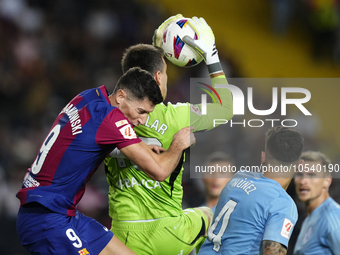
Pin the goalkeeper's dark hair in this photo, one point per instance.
(284, 144)
(139, 84)
(145, 56)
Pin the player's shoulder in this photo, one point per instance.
(116, 114)
(95, 96)
(331, 213)
(276, 191)
(277, 199)
(179, 111)
(170, 112)
(163, 108)
(176, 105)
(331, 204)
(279, 194)
(96, 101)
(111, 118)
(284, 204)
(87, 92)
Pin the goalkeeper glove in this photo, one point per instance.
(205, 44)
(158, 34)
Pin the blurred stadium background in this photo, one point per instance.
(51, 50)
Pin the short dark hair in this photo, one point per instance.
(145, 56)
(284, 144)
(139, 84)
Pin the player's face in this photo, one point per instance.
(215, 182)
(310, 185)
(136, 111)
(164, 81)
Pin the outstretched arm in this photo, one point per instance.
(205, 45)
(223, 112)
(273, 248)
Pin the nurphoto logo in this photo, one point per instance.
(240, 101)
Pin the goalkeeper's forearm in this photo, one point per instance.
(214, 111)
(225, 95)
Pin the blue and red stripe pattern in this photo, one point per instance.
(83, 134)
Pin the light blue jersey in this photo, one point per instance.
(251, 208)
(320, 232)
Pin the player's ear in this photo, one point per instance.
(327, 182)
(120, 96)
(158, 77)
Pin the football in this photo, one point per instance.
(175, 49)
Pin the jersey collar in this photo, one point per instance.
(103, 93)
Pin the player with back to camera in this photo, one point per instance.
(89, 127)
(320, 231)
(254, 214)
(147, 215)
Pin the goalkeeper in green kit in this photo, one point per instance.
(146, 211)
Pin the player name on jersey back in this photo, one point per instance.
(75, 121)
(246, 186)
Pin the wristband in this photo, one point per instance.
(215, 68)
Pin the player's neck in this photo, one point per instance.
(284, 182)
(112, 100)
(282, 178)
(314, 203)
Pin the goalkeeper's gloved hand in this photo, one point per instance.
(205, 44)
(158, 34)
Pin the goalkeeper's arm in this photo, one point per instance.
(222, 112)
(205, 45)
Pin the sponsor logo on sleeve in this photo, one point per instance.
(286, 228)
(121, 123)
(83, 252)
(196, 110)
(128, 132)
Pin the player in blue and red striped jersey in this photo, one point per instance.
(84, 132)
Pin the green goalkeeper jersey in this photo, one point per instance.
(133, 195)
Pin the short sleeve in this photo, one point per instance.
(281, 221)
(116, 129)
